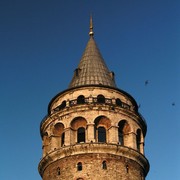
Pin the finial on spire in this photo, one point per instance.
(91, 33)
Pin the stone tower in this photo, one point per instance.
(93, 130)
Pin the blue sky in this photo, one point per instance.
(41, 43)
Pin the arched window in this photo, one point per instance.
(81, 135)
(58, 129)
(100, 99)
(138, 139)
(58, 171)
(78, 125)
(79, 166)
(123, 130)
(80, 99)
(118, 102)
(63, 105)
(101, 134)
(104, 165)
(62, 139)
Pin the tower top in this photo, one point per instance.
(92, 69)
(91, 33)
(90, 119)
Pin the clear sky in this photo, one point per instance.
(41, 43)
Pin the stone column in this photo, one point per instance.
(130, 140)
(54, 142)
(90, 133)
(67, 134)
(113, 134)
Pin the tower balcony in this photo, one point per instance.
(93, 103)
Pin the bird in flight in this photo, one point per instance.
(173, 104)
(146, 82)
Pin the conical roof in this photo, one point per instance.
(92, 69)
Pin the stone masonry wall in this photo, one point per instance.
(117, 168)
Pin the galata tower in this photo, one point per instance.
(93, 130)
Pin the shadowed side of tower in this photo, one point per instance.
(93, 130)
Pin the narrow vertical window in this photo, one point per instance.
(81, 135)
(62, 139)
(127, 168)
(120, 136)
(118, 102)
(58, 171)
(104, 165)
(101, 134)
(79, 166)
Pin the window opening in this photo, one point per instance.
(127, 168)
(81, 135)
(58, 171)
(122, 130)
(80, 99)
(100, 99)
(118, 102)
(62, 139)
(101, 134)
(79, 166)
(63, 105)
(120, 136)
(104, 165)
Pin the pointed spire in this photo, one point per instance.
(91, 33)
(92, 69)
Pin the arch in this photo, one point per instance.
(118, 102)
(79, 166)
(80, 99)
(81, 135)
(78, 122)
(100, 99)
(123, 129)
(58, 129)
(102, 123)
(138, 139)
(77, 133)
